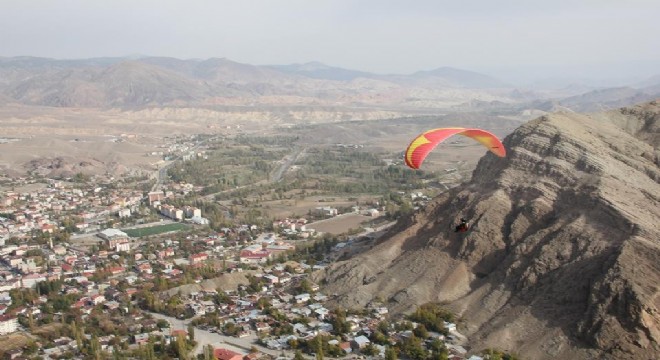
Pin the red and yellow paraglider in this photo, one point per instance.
(420, 147)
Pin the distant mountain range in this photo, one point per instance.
(109, 82)
(162, 81)
(316, 70)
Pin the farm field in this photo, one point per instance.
(340, 224)
(296, 207)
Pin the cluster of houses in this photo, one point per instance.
(257, 325)
(134, 264)
(42, 210)
(296, 227)
(77, 269)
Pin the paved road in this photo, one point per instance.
(287, 162)
(161, 175)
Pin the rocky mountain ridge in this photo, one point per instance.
(563, 256)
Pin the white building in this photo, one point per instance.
(302, 298)
(199, 220)
(123, 246)
(371, 212)
(31, 280)
(326, 211)
(171, 212)
(190, 211)
(8, 324)
(109, 234)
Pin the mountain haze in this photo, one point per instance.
(142, 82)
(605, 99)
(462, 78)
(317, 70)
(162, 81)
(563, 256)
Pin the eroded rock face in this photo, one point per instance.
(563, 257)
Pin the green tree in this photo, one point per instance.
(384, 327)
(180, 347)
(339, 323)
(31, 348)
(412, 348)
(231, 329)
(162, 324)
(433, 317)
(369, 350)
(191, 332)
(208, 352)
(298, 355)
(438, 350)
(95, 348)
(379, 338)
(263, 303)
(318, 342)
(496, 354)
(390, 353)
(421, 332)
(305, 287)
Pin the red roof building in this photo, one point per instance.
(226, 354)
(198, 258)
(176, 333)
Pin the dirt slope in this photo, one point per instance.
(563, 257)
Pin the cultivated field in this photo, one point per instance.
(300, 207)
(340, 224)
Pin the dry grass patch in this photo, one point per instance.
(51, 331)
(13, 341)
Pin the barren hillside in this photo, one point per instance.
(563, 256)
(157, 81)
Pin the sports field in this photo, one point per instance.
(154, 230)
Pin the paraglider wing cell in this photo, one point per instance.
(420, 147)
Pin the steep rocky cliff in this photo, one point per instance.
(563, 257)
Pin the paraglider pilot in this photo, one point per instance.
(463, 226)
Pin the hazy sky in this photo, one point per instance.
(382, 36)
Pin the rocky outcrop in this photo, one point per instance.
(563, 256)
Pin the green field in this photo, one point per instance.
(153, 230)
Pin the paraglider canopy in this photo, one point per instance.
(420, 147)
